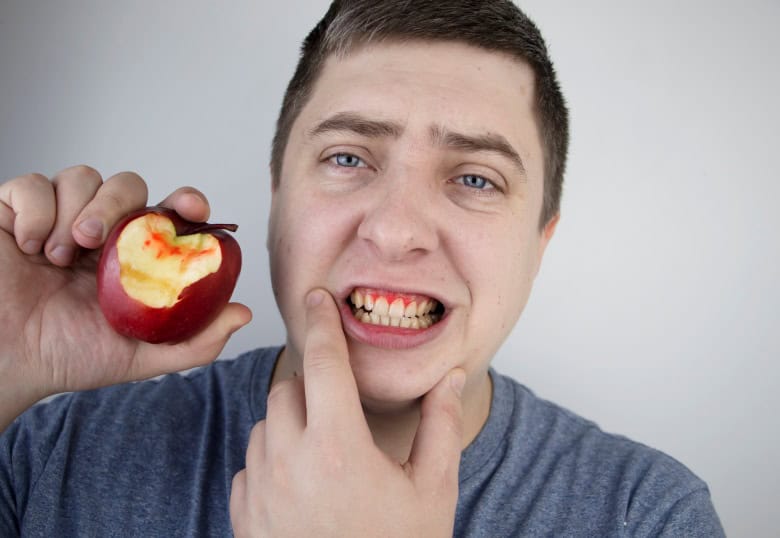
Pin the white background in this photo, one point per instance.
(656, 310)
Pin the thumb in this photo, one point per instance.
(156, 359)
(435, 455)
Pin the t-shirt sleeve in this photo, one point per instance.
(692, 516)
(9, 525)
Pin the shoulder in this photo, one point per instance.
(168, 404)
(585, 475)
(180, 437)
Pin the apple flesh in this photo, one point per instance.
(162, 278)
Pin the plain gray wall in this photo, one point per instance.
(655, 313)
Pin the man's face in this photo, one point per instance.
(412, 175)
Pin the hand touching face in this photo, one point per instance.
(313, 468)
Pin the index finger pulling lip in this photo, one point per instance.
(331, 391)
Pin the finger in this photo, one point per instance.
(435, 454)
(118, 196)
(285, 415)
(255, 451)
(74, 187)
(188, 202)
(238, 504)
(28, 210)
(203, 348)
(332, 398)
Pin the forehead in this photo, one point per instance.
(428, 85)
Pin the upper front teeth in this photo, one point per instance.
(376, 309)
(396, 309)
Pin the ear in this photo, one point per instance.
(544, 238)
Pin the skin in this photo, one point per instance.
(53, 337)
(403, 219)
(363, 439)
(368, 442)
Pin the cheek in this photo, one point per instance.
(501, 278)
(307, 235)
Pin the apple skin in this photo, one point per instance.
(198, 303)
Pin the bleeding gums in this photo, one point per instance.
(390, 309)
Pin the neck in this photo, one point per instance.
(394, 432)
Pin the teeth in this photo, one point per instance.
(397, 308)
(375, 310)
(381, 306)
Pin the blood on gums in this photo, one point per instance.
(390, 297)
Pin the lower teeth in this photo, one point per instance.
(416, 322)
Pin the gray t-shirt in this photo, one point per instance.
(157, 459)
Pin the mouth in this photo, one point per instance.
(393, 309)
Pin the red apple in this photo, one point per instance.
(161, 278)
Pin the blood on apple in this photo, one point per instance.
(162, 278)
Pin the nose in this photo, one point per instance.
(401, 223)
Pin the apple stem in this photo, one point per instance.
(207, 227)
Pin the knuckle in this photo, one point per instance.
(33, 180)
(257, 434)
(134, 179)
(81, 173)
(334, 460)
(321, 361)
(452, 413)
(280, 391)
(113, 200)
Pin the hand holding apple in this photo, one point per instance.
(162, 278)
(54, 337)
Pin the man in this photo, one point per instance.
(416, 176)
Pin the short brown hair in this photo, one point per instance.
(493, 25)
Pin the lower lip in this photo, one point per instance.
(388, 337)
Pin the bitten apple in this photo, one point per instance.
(161, 278)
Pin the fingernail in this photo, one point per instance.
(314, 298)
(457, 380)
(33, 246)
(62, 254)
(92, 227)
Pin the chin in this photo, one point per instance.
(393, 380)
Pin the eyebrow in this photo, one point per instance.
(490, 142)
(358, 124)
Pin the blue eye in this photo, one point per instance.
(347, 160)
(475, 182)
